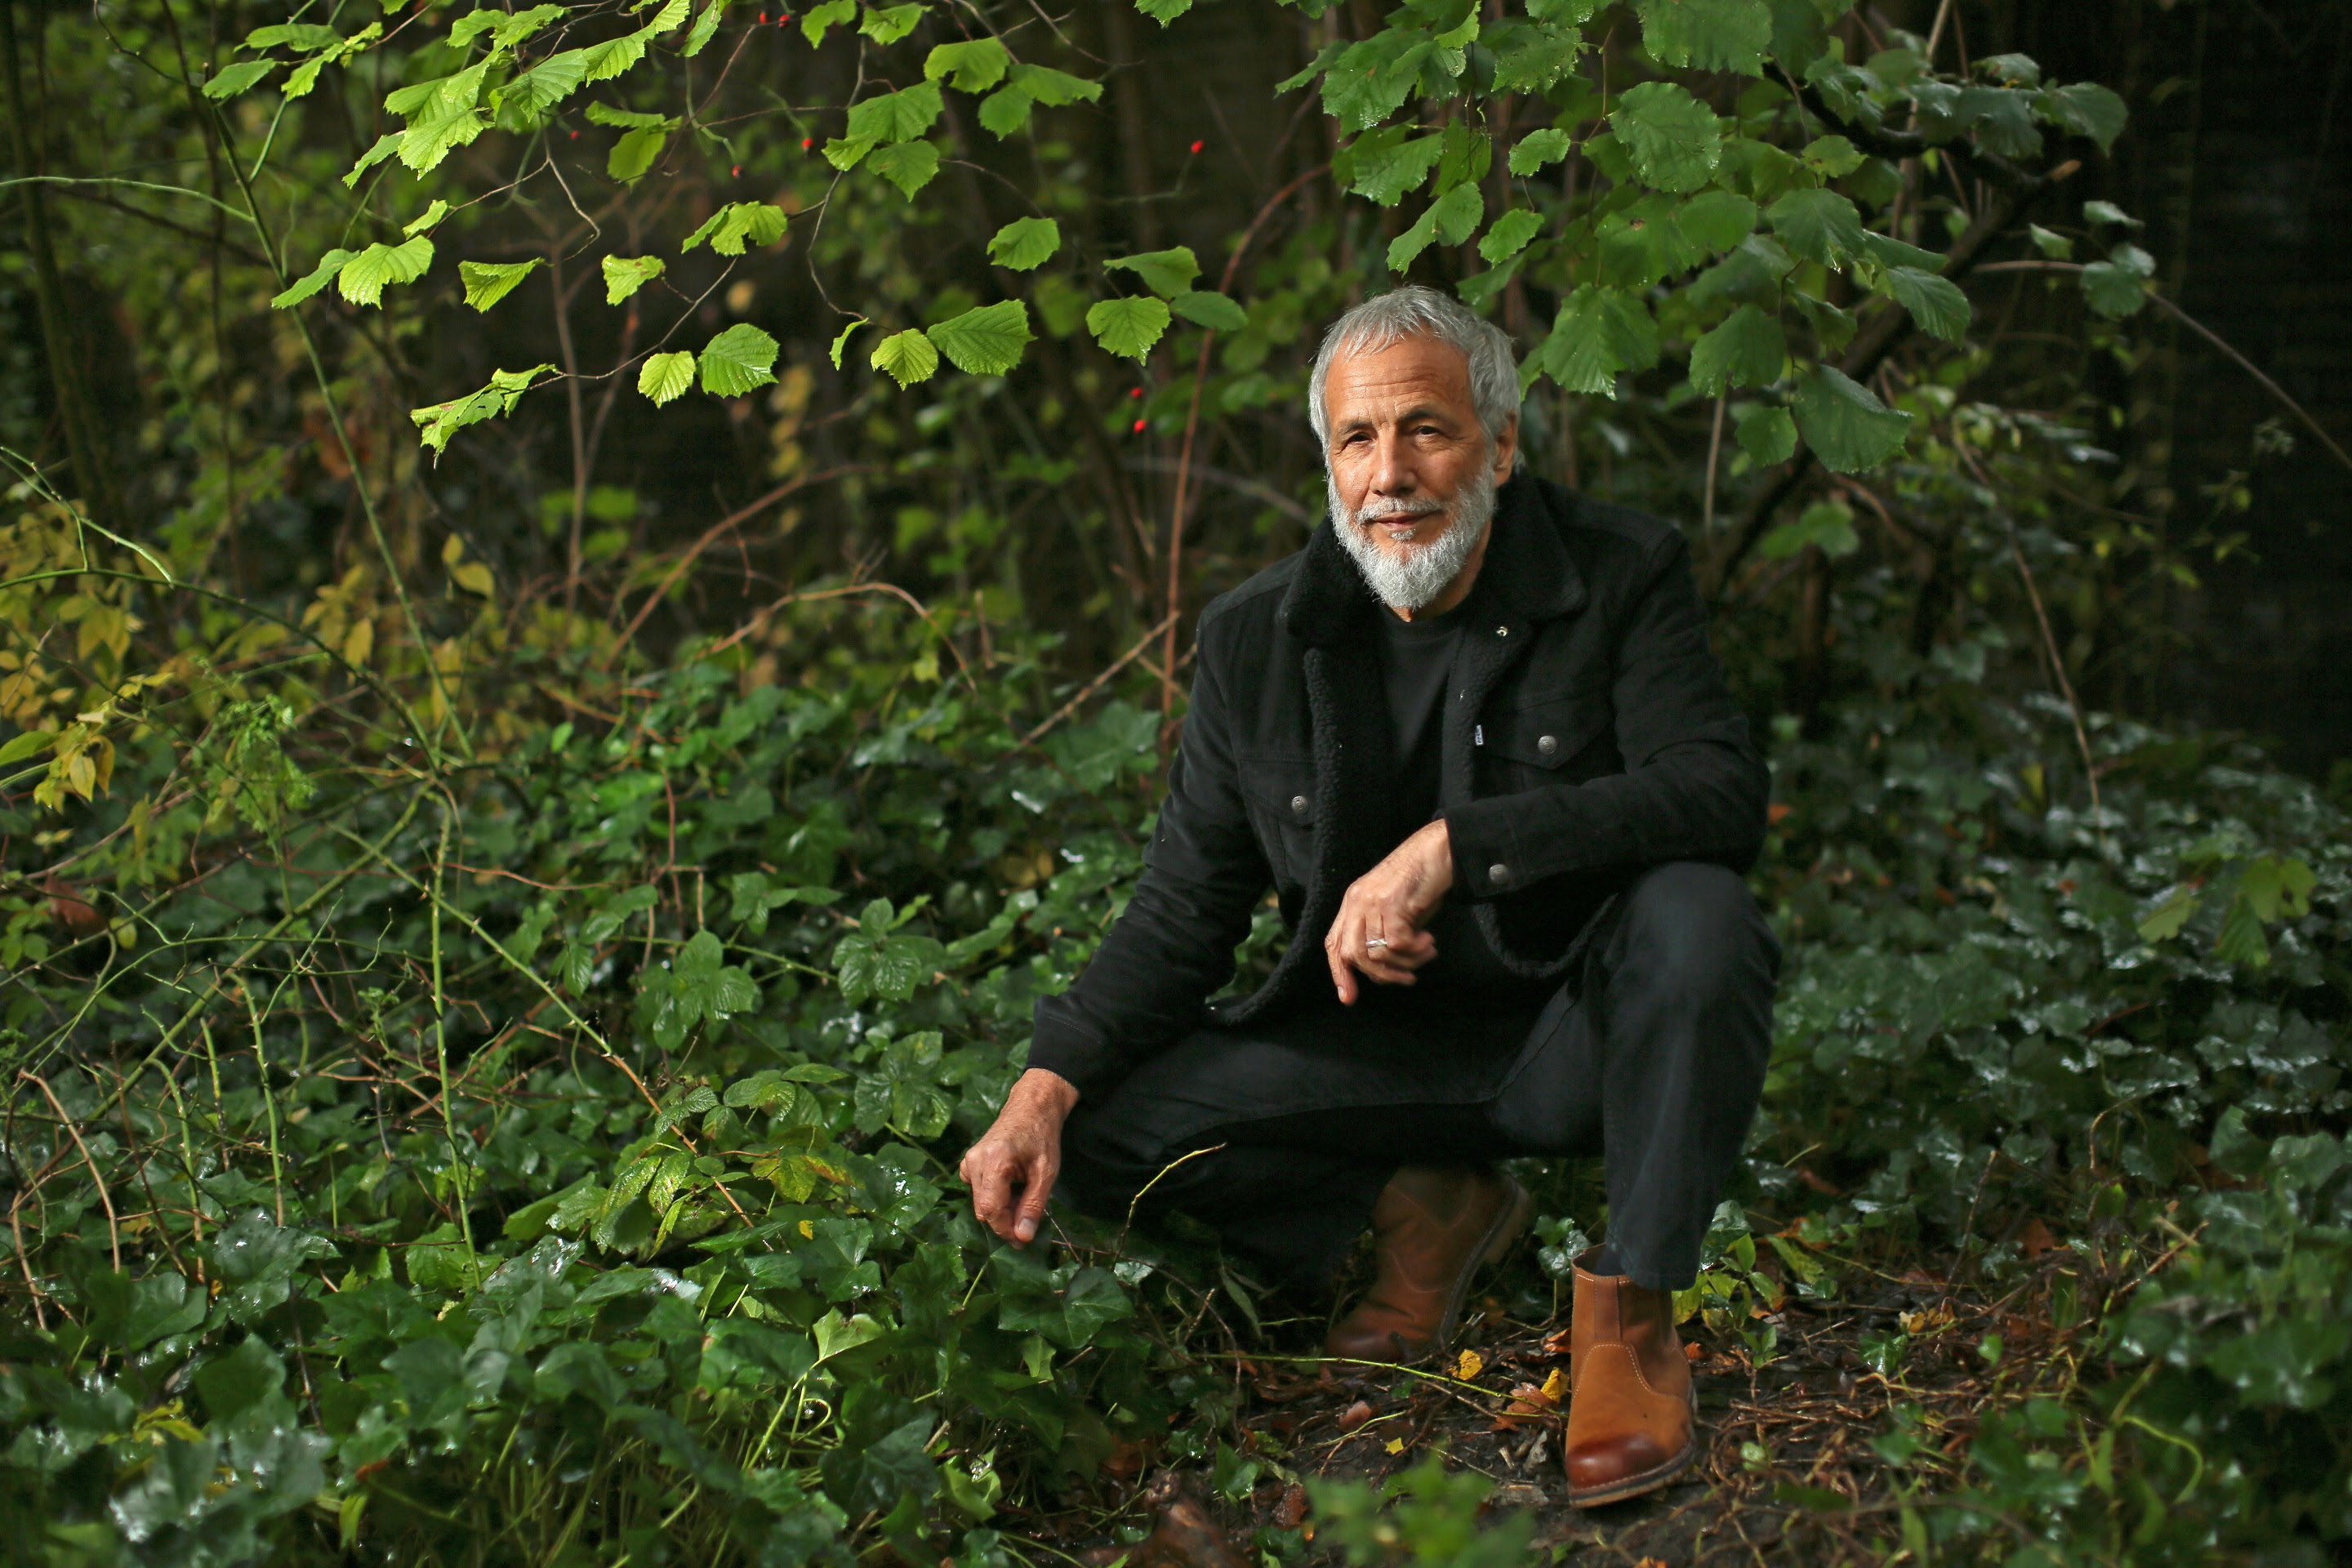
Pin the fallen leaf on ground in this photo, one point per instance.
(1471, 1365)
(1396, 1445)
(1528, 1403)
(1518, 1494)
(1292, 1509)
(1185, 1537)
(1355, 1416)
(2035, 1238)
(1559, 1341)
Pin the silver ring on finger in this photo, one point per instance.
(1371, 943)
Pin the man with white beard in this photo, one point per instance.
(1503, 801)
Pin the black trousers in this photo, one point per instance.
(1652, 1059)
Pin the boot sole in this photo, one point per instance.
(1492, 1248)
(1648, 1480)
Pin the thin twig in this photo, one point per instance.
(1091, 687)
(113, 1229)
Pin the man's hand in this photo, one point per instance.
(1378, 930)
(1011, 1168)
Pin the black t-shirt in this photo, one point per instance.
(1416, 666)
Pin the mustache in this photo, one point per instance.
(1389, 508)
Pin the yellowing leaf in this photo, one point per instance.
(1470, 1365)
(1396, 1445)
(1555, 1387)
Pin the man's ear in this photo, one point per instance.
(1507, 451)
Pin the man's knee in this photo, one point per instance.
(1693, 926)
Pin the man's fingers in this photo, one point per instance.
(1037, 1186)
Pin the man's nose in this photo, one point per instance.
(1393, 471)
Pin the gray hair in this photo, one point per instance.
(1414, 311)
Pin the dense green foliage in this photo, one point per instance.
(497, 977)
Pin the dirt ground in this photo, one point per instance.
(1791, 1471)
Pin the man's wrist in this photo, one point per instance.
(1046, 1089)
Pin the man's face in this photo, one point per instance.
(1405, 451)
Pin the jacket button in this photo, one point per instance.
(1498, 873)
(1297, 806)
(1547, 744)
(1502, 631)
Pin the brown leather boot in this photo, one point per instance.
(1432, 1229)
(1630, 1414)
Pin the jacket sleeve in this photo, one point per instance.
(1172, 947)
(1692, 789)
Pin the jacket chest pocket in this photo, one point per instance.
(1280, 794)
(1552, 741)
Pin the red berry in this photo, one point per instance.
(783, 17)
(1198, 145)
(763, 18)
(1135, 392)
(575, 136)
(1139, 426)
(807, 142)
(736, 173)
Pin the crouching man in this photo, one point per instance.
(1474, 739)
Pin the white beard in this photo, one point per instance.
(1408, 576)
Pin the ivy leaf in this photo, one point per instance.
(364, 278)
(1829, 524)
(899, 116)
(1673, 138)
(1538, 149)
(841, 340)
(488, 282)
(1509, 235)
(1207, 308)
(237, 78)
(909, 356)
(2117, 286)
(1819, 225)
(296, 292)
(737, 224)
(1844, 424)
(1128, 327)
(1746, 350)
(1384, 166)
(1166, 273)
(1707, 34)
(625, 275)
(1451, 219)
(890, 23)
(910, 165)
(1766, 434)
(985, 342)
(1026, 244)
(972, 67)
(664, 377)
(738, 360)
(1935, 303)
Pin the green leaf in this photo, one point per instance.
(1531, 56)
(328, 265)
(2276, 887)
(1166, 273)
(1829, 524)
(2085, 109)
(972, 67)
(1746, 350)
(2242, 940)
(634, 153)
(239, 1380)
(899, 116)
(1384, 166)
(909, 356)
(1935, 303)
(1707, 34)
(910, 165)
(1026, 244)
(738, 360)
(706, 28)
(237, 78)
(625, 275)
(1673, 138)
(1716, 221)
(365, 275)
(1128, 327)
(2056, 247)
(1207, 308)
(307, 38)
(1451, 219)
(1599, 333)
(431, 218)
(890, 23)
(1766, 434)
(1819, 225)
(985, 342)
(1538, 149)
(19, 747)
(2118, 286)
(623, 118)
(735, 225)
(1832, 157)
(1890, 252)
(820, 19)
(1509, 235)
(2099, 212)
(545, 85)
(840, 341)
(845, 152)
(2171, 912)
(1844, 424)
(606, 61)
(488, 282)
(1163, 11)
(665, 376)
(440, 421)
